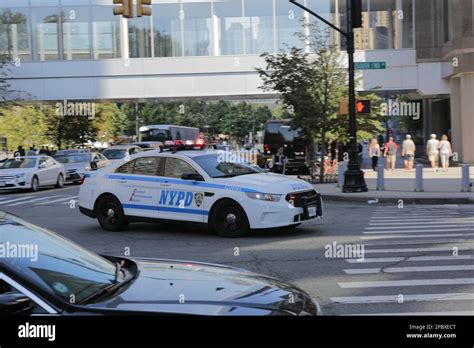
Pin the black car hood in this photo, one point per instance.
(164, 286)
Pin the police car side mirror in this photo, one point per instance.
(93, 165)
(13, 303)
(192, 176)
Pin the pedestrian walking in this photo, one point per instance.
(408, 152)
(31, 151)
(432, 150)
(445, 152)
(374, 153)
(390, 153)
(20, 152)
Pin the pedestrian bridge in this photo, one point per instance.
(217, 77)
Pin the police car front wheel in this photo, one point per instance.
(110, 214)
(229, 220)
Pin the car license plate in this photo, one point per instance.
(312, 211)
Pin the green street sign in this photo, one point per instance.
(370, 65)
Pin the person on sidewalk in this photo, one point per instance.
(279, 161)
(432, 150)
(445, 152)
(390, 153)
(374, 153)
(408, 152)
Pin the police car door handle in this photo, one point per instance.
(122, 181)
(165, 184)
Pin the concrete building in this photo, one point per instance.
(208, 49)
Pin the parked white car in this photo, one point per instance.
(31, 173)
(118, 153)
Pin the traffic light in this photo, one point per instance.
(125, 10)
(142, 9)
(356, 13)
(364, 107)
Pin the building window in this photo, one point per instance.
(289, 22)
(197, 28)
(446, 20)
(46, 23)
(15, 33)
(230, 26)
(106, 41)
(76, 32)
(139, 36)
(167, 29)
(258, 26)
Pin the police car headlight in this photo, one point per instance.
(264, 196)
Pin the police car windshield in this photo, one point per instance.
(219, 166)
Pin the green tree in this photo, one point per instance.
(312, 85)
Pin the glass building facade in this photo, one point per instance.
(48, 30)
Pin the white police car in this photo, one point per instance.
(228, 194)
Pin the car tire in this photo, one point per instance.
(229, 220)
(60, 181)
(110, 214)
(34, 184)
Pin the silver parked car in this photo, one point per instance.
(76, 164)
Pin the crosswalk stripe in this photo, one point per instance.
(410, 269)
(16, 200)
(416, 223)
(412, 250)
(421, 228)
(406, 298)
(420, 231)
(411, 259)
(59, 200)
(421, 314)
(411, 242)
(406, 282)
(394, 236)
(32, 201)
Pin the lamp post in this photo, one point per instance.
(354, 177)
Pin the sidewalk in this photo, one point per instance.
(440, 188)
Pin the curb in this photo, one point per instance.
(393, 200)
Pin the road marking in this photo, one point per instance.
(409, 269)
(421, 314)
(406, 298)
(33, 200)
(461, 221)
(411, 242)
(406, 282)
(394, 236)
(15, 200)
(412, 259)
(421, 227)
(412, 250)
(420, 231)
(59, 200)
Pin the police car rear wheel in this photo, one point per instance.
(229, 220)
(110, 214)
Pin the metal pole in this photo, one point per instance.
(419, 178)
(354, 176)
(466, 182)
(380, 177)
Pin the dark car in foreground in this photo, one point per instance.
(44, 273)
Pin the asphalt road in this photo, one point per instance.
(416, 260)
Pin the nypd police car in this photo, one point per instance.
(230, 195)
